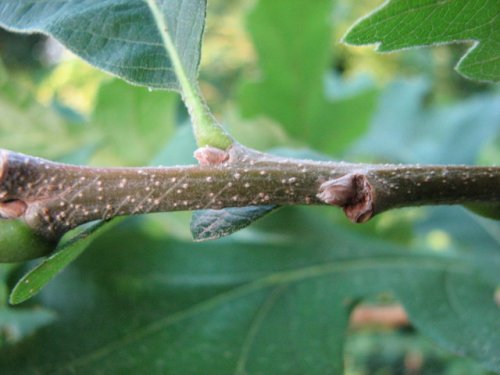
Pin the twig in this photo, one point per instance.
(53, 198)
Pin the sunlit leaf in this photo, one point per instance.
(401, 24)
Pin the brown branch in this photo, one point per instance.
(53, 198)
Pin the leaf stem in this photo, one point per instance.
(56, 197)
(206, 129)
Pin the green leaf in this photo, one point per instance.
(120, 37)
(234, 307)
(292, 88)
(214, 224)
(134, 123)
(66, 252)
(401, 24)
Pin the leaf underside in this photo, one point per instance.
(403, 24)
(117, 36)
(214, 224)
(235, 307)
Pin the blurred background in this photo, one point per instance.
(277, 79)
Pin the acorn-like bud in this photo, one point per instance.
(19, 242)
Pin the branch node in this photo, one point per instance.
(210, 155)
(353, 193)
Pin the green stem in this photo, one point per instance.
(206, 129)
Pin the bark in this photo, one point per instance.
(52, 197)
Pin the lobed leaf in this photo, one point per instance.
(404, 24)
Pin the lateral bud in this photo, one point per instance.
(12, 209)
(353, 193)
(211, 156)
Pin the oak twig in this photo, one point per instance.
(53, 197)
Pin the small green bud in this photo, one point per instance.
(18, 242)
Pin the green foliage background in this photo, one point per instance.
(275, 297)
